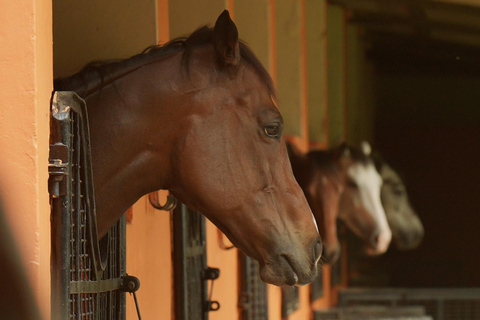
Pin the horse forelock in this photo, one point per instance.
(95, 75)
(359, 157)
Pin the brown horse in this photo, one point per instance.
(342, 183)
(407, 228)
(198, 117)
(318, 176)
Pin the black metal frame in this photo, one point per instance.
(253, 297)
(440, 303)
(190, 266)
(316, 288)
(337, 271)
(337, 268)
(88, 276)
(290, 301)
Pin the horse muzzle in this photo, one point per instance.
(379, 242)
(331, 253)
(291, 268)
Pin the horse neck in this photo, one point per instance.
(130, 144)
(318, 177)
(331, 192)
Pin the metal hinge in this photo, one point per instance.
(57, 170)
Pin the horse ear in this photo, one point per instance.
(225, 40)
(342, 151)
(366, 148)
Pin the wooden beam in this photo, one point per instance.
(473, 3)
(397, 51)
(431, 19)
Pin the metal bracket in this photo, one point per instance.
(244, 300)
(168, 206)
(212, 306)
(130, 284)
(57, 169)
(211, 274)
(221, 244)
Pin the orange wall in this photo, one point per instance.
(225, 288)
(149, 259)
(26, 85)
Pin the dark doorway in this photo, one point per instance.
(427, 127)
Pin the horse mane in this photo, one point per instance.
(326, 159)
(358, 156)
(98, 74)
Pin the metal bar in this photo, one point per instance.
(290, 301)
(316, 288)
(123, 266)
(77, 207)
(190, 291)
(95, 286)
(61, 208)
(137, 307)
(253, 300)
(180, 288)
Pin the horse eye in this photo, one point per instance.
(352, 184)
(272, 131)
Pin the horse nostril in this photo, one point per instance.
(317, 250)
(374, 239)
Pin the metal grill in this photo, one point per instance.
(253, 300)
(190, 266)
(316, 288)
(87, 274)
(461, 309)
(337, 275)
(441, 304)
(336, 268)
(372, 313)
(290, 301)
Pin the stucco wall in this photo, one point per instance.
(317, 77)
(26, 84)
(90, 30)
(360, 87)
(336, 32)
(288, 21)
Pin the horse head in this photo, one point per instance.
(407, 228)
(229, 159)
(360, 205)
(198, 117)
